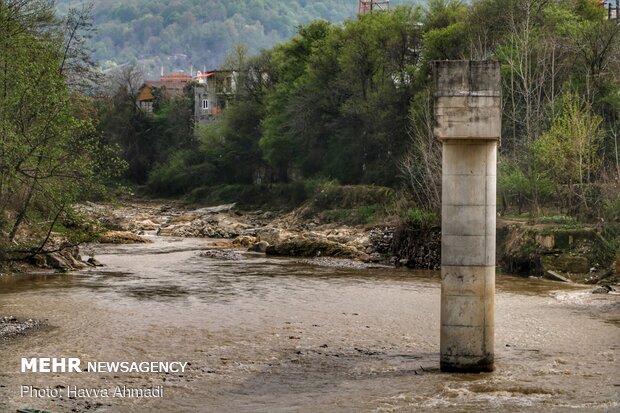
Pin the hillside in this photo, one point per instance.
(181, 33)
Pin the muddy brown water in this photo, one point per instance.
(277, 335)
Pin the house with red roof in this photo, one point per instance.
(212, 92)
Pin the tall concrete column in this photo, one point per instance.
(468, 123)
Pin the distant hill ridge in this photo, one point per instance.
(177, 34)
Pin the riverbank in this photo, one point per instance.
(272, 233)
(532, 250)
(549, 250)
(332, 228)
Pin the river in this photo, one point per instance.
(276, 335)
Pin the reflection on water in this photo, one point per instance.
(265, 334)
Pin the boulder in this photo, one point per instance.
(57, 261)
(92, 261)
(260, 246)
(221, 254)
(312, 247)
(566, 263)
(122, 237)
(146, 225)
(73, 258)
(269, 234)
(244, 241)
(605, 289)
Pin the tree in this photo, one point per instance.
(569, 149)
(125, 125)
(279, 143)
(340, 104)
(76, 64)
(48, 150)
(421, 166)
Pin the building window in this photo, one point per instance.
(146, 106)
(205, 104)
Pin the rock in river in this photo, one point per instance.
(122, 237)
(221, 254)
(312, 247)
(259, 247)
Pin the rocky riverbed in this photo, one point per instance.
(535, 250)
(284, 234)
(11, 326)
(300, 234)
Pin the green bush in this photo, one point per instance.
(355, 216)
(180, 174)
(333, 196)
(611, 210)
(421, 217)
(558, 219)
(276, 196)
(521, 188)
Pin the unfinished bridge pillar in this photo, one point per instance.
(468, 124)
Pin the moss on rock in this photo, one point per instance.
(535, 249)
(573, 264)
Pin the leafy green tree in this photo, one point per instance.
(279, 143)
(445, 34)
(173, 126)
(339, 108)
(443, 13)
(49, 145)
(569, 150)
(232, 146)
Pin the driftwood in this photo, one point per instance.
(555, 276)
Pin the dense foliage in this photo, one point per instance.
(50, 154)
(330, 104)
(353, 103)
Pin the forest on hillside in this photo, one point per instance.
(181, 33)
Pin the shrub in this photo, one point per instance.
(333, 196)
(611, 210)
(558, 219)
(421, 217)
(354, 216)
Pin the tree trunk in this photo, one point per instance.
(22, 214)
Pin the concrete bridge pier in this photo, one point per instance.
(468, 123)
